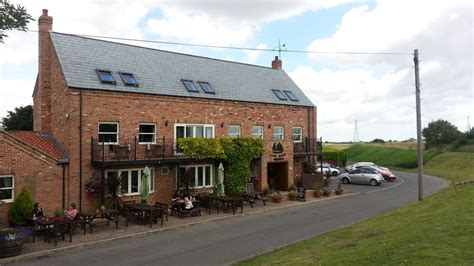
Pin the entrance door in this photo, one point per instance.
(277, 176)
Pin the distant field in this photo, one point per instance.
(387, 156)
(393, 144)
(437, 231)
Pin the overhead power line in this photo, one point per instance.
(235, 47)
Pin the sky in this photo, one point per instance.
(377, 90)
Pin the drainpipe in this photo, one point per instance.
(63, 163)
(80, 151)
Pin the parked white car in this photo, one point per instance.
(327, 168)
(362, 175)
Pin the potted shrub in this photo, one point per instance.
(276, 196)
(327, 192)
(292, 194)
(11, 241)
(318, 192)
(22, 208)
(339, 189)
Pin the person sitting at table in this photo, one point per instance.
(72, 213)
(188, 204)
(37, 211)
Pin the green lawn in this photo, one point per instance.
(436, 231)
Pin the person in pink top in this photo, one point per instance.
(71, 214)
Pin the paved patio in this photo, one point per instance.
(104, 233)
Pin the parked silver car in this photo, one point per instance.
(362, 176)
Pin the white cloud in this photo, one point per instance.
(252, 56)
(385, 102)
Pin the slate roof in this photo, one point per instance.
(41, 141)
(160, 72)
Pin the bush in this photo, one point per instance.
(22, 206)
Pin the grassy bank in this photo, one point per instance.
(388, 157)
(436, 231)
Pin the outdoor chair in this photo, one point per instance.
(194, 211)
(164, 208)
(251, 196)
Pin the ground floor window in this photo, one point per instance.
(132, 180)
(195, 176)
(6, 188)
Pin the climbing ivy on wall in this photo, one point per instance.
(237, 153)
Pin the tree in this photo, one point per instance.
(20, 119)
(439, 133)
(378, 141)
(12, 18)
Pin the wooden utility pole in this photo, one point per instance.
(418, 127)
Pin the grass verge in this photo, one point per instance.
(388, 157)
(436, 231)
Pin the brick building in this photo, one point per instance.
(116, 108)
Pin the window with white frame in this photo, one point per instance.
(257, 132)
(234, 131)
(297, 134)
(278, 132)
(108, 132)
(146, 133)
(7, 188)
(194, 131)
(131, 180)
(195, 176)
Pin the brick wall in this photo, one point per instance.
(35, 170)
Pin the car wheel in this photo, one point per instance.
(373, 182)
(334, 173)
(345, 180)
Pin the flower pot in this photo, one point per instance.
(10, 249)
(276, 200)
(318, 193)
(327, 193)
(339, 192)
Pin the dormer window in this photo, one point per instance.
(106, 77)
(291, 96)
(206, 87)
(189, 85)
(128, 79)
(280, 95)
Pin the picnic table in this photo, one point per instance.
(144, 212)
(101, 216)
(54, 226)
(226, 202)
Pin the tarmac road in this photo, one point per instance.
(229, 240)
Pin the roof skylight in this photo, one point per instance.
(206, 87)
(106, 77)
(189, 85)
(128, 79)
(280, 95)
(291, 96)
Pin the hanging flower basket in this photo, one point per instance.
(93, 186)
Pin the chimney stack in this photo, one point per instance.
(42, 96)
(276, 64)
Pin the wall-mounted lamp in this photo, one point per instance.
(166, 123)
(269, 125)
(222, 124)
(67, 115)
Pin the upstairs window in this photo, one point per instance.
(234, 131)
(297, 134)
(257, 132)
(108, 133)
(146, 133)
(280, 95)
(291, 96)
(189, 85)
(128, 79)
(206, 87)
(106, 77)
(278, 133)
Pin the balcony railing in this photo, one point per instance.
(306, 146)
(132, 150)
